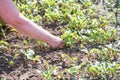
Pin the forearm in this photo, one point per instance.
(11, 15)
(32, 30)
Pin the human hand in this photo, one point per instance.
(56, 43)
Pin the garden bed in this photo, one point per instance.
(25, 69)
(91, 36)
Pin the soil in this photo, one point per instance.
(24, 69)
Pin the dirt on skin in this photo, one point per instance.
(24, 69)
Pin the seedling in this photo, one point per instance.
(29, 54)
(3, 78)
(49, 72)
(103, 54)
(103, 70)
(11, 63)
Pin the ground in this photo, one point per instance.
(24, 69)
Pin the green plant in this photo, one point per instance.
(11, 63)
(76, 69)
(29, 9)
(70, 37)
(103, 70)
(3, 78)
(80, 19)
(104, 54)
(63, 56)
(50, 72)
(2, 42)
(30, 54)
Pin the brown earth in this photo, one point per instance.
(24, 69)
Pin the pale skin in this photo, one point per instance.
(11, 15)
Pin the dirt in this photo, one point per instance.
(24, 69)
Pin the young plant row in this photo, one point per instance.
(80, 21)
(83, 71)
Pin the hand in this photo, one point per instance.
(56, 43)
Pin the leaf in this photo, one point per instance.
(74, 69)
(4, 42)
(94, 50)
(11, 63)
(16, 56)
(3, 78)
(36, 57)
